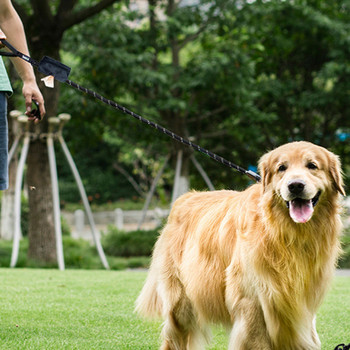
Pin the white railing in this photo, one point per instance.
(122, 219)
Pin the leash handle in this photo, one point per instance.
(35, 112)
(15, 53)
(47, 65)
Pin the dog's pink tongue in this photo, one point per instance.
(301, 210)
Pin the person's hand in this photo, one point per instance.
(31, 93)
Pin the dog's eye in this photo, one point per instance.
(311, 166)
(282, 168)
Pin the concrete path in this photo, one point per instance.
(343, 273)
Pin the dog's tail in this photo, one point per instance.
(149, 303)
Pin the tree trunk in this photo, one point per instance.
(41, 230)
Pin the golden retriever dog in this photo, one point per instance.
(257, 261)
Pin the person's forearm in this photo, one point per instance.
(12, 26)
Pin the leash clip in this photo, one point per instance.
(254, 176)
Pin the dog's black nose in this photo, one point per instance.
(296, 186)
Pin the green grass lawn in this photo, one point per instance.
(78, 309)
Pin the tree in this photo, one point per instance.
(176, 67)
(45, 23)
(212, 72)
(302, 72)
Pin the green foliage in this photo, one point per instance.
(237, 78)
(344, 261)
(102, 183)
(137, 262)
(6, 250)
(301, 71)
(213, 72)
(78, 254)
(151, 81)
(129, 244)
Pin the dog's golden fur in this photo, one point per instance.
(239, 259)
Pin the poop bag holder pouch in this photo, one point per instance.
(49, 66)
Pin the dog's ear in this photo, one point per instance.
(336, 173)
(265, 170)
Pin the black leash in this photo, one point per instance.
(49, 66)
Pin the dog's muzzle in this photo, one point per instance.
(300, 209)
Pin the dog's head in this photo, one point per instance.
(300, 174)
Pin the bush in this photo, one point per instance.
(6, 252)
(119, 263)
(127, 244)
(344, 261)
(65, 227)
(78, 254)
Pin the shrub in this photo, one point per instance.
(344, 261)
(80, 254)
(119, 263)
(127, 244)
(6, 252)
(66, 230)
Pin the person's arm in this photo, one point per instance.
(12, 26)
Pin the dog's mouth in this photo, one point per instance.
(301, 210)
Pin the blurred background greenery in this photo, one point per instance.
(236, 77)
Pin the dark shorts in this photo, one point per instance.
(3, 142)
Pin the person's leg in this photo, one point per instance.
(3, 142)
